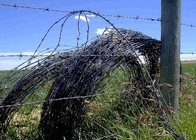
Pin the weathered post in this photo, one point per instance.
(170, 51)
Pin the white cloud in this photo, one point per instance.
(91, 15)
(22, 53)
(86, 19)
(10, 60)
(101, 31)
(10, 64)
(187, 57)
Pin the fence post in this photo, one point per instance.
(170, 51)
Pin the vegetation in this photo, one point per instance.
(107, 118)
(186, 123)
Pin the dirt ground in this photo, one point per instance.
(189, 62)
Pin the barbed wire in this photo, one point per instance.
(34, 8)
(107, 15)
(60, 99)
(191, 25)
(47, 54)
(39, 74)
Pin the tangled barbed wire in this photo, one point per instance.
(78, 76)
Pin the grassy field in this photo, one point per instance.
(102, 120)
(186, 123)
(113, 126)
(189, 67)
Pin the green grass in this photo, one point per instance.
(186, 123)
(104, 122)
(189, 68)
(108, 118)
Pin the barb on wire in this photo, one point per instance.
(132, 17)
(105, 15)
(22, 54)
(34, 8)
(190, 25)
(60, 99)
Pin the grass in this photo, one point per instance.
(110, 118)
(189, 67)
(107, 118)
(186, 123)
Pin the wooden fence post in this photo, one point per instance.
(170, 51)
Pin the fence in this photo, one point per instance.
(65, 11)
(23, 54)
(78, 77)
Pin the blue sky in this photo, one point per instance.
(22, 29)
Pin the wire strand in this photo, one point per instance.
(107, 15)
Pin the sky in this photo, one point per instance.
(23, 29)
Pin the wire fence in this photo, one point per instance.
(60, 99)
(77, 78)
(23, 54)
(105, 15)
